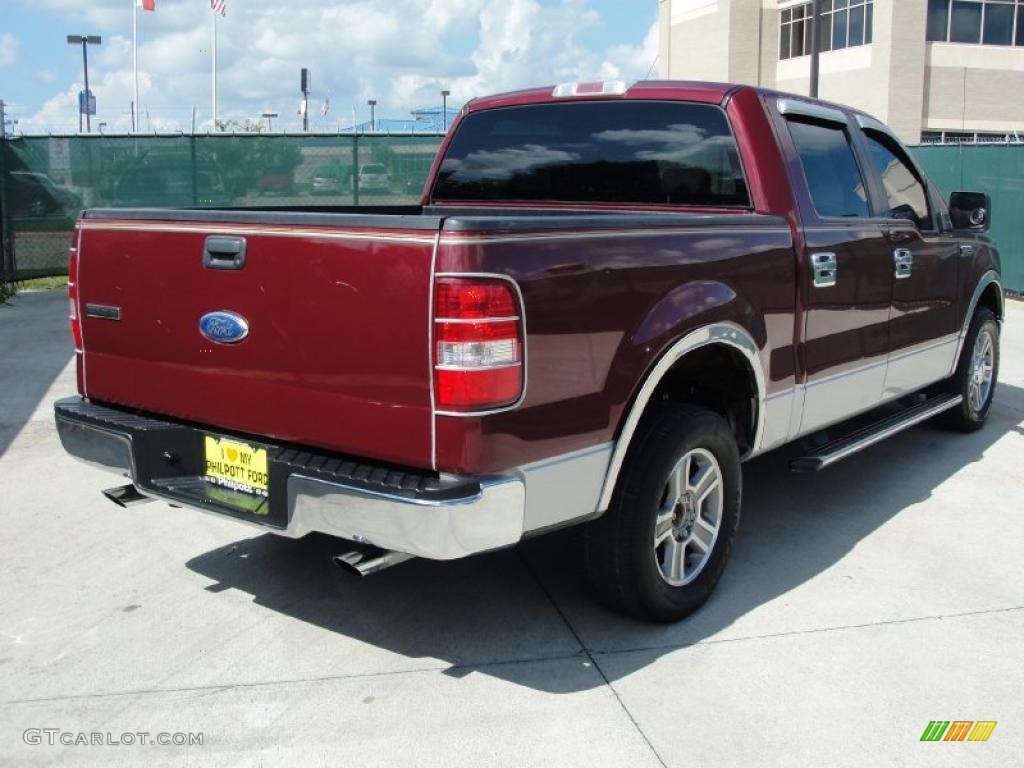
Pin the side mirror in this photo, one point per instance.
(970, 210)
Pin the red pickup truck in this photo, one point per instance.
(609, 298)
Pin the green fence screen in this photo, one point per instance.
(46, 181)
(997, 169)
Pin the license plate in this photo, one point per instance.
(235, 465)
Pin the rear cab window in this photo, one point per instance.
(626, 152)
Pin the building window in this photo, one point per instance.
(980, 22)
(844, 24)
(965, 137)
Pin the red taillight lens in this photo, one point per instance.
(76, 321)
(478, 344)
(465, 299)
(474, 390)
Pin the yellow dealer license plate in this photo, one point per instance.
(235, 465)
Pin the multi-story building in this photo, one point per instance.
(931, 69)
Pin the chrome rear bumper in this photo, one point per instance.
(440, 518)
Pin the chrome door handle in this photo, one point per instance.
(824, 269)
(903, 260)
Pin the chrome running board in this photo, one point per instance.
(841, 448)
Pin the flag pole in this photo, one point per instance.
(214, 14)
(135, 58)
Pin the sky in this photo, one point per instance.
(400, 52)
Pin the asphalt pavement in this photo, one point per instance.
(860, 604)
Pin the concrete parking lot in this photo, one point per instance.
(860, 604)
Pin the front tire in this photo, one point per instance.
(661, 547)
(976, 375)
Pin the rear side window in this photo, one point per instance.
(835, 182)
(645, 152)
(906, 198)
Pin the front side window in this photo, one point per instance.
(984, 22)
(833, 177)
(631, 152)
(843, 24)
(905, 194)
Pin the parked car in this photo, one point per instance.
(36, 194)
(374, 177)
(332, 178)
(609, 299)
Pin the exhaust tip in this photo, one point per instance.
(368, 562)
(348, 561)
(126, 496)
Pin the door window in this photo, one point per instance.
(833, 178)
(905, 194)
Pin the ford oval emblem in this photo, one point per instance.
(224, 327)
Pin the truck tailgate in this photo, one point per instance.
(337, 309)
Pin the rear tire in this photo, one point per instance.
(976, 375)
(661, 547)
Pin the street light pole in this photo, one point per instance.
(85, 41)
(444, 109)
(269, 116)
(305, 85)
(373, 122)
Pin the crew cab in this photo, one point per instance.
(609, 298)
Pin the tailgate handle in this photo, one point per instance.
(224, 252)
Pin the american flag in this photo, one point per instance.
(325, 108)
(219, 7)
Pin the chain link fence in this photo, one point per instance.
(47, 181)
(6, 247)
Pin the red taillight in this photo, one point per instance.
(478, 344)
(76, 320)
(464, 300)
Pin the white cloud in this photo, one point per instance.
(9, 46)
(632, 62)
(522, 44)
(504, 163)
(401, 52)
(109, 15)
